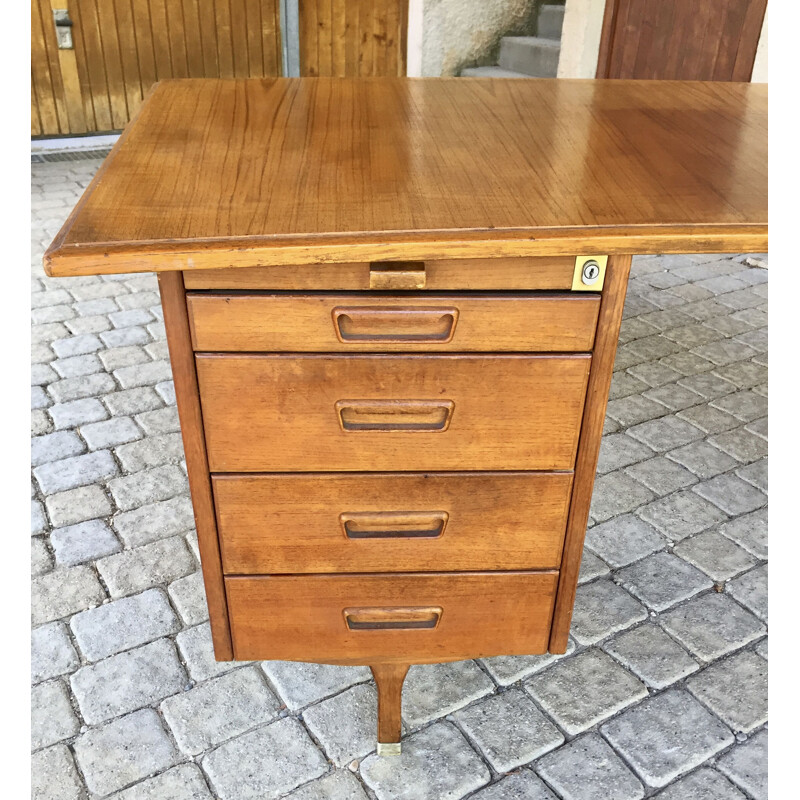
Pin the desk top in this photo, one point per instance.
(224, 173)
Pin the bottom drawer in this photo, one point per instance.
(406, 617)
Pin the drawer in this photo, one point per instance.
(392, 522)
(351, 323)
(476, 274)
(403, 618)
(334, 413)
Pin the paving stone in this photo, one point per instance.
(693, 335)
(166, 391)
(705, 784)
(634, 409)
(591, 567)
(624, 384)
(123, 624)
(219, 709)
(708, 385)
(184, 782)
(132, 401)
(431, 691)
(616, 494)
(152, 451)
(761, 647)
(584, 689)
(148, 486)
(48, 332)
(620, 450)
(731, 494)
(154, 521)
(81, 387)
(86, 541)
(70, 473)
(125, 337)
(712, 625)
(197, 652)
(111, 433)
(509, 730)
(602, 608)
(717, 556)
(750, 590)
(266, 763)
(124, 751)
(143, 374)
(666, 433)
(133, 316)
(681, 514)
(52, 653)
(78, 365)
(161, 420)
(159, 562)
(117, 357)
(146, 299)
(340, 785)
(436, 764)
(77, 345)
(84, 325)
(128, 681)
(77, 505)
(703, 459)
(674, 396)
(749, 531)
(756, 474)
(41, 560)
(55, 447)
(745, 374)
(661, 475)
(522, 785)
(188, 595)
(62, 592)
(77, 412)
(652, 655)
(746, 405)
(52, 717)
(687, 363)
(301, 684)
(40, 422)
(509, 669)
(662, 580)
(39, 398)
(345, 724)
(666, 736)
(746, 765)
(53, 775)
(38, 521)
(588, 769)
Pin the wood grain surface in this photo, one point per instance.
(235, 173)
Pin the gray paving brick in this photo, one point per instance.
(617, 493)
(143, 374)
(219, 709)
(620, 450)
(749, 531)
(86, 541)
(197, 652)
(522, 785)
(52, 653)
(166, 391)
(148, 486)
(652, 655)
(154, 451)
(100, 305)
(602, 608)
(111, 433)
(188, 595)
(756, 474)
(746, 405)
(731, 494)
(681, 514)
(588, 769)
(88, 325)
(704, 784)
(745, 374)
(624, 384)
(184, 782)
(125, 337)
(662, 580)
(70, 473)
(746, 765)
(152, 564)
(717, 556)
(129, 317)
(744, 446)
(127, 681)
(693, 335)
(42, 374)
(509, 669)
(436, 764)
(154, 521)
(346, 724)
(80, 387)
(762, 647)
(52, 717)
(62, 592)
(672, 395)
(712, 625)
(77, 505)
(431, 691)
(161, 420)
(48, 332)
(39, 398)
(40, 422)
(77, 412)
(53, 775)
(666, 433)
(340, 785)
(123, 624)
(591, 567)
(124, 751)
(624, 539)
(703, 459)
(266, 763)
(708, 385)
(77, 365)
(634, 409)
(585, 689)
(38, 521)
(750, 590)
(77, 345)
(133, 401)
(146, 299)
(509, 730)
(41, 560)
(117, 357)
(661, 475)
(301, 684)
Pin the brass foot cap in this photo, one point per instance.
(389, 748)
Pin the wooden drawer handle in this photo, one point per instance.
(392, 618)
(402, 324)
(393, 524)
(395, 415)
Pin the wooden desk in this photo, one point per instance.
(392, 309)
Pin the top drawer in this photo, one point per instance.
(386, 323)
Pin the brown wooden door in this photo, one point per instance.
(122, 47)
(348, 38)
(681, 39)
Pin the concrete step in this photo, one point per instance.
(551, 21)
(531, 55)
(491, 72)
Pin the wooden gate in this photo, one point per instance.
(122, 47)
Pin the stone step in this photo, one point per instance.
(491, 72)
(551, 21)
(531, 55)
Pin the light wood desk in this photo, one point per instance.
(392, 309)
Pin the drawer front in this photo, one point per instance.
(391, 413)
(403, 617)
(352, 323)
(477, 274)
(391, 522)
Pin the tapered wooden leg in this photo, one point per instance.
(389, 679)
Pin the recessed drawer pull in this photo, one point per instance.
(393, 524)
(389, 618)
(395, 415)
(399, 324)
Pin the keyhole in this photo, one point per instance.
(591, 272)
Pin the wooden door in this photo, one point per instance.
(348, 38)
(681, 39)
(122, 47)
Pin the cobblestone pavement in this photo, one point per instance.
(663, 692)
